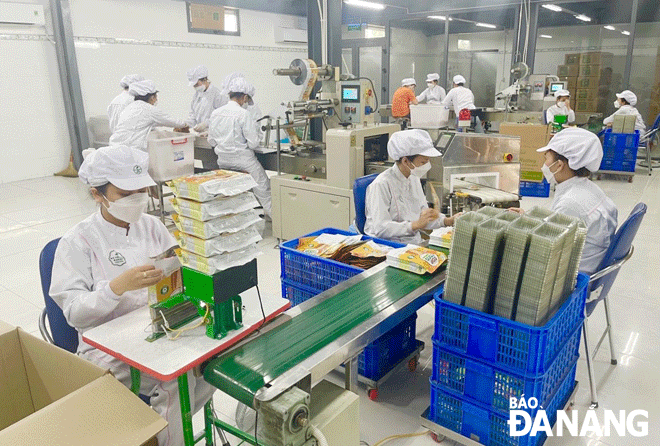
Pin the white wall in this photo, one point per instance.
(161, 48)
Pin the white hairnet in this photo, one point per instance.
(142, 88)
(127, 80)
(229, 78)
(197, 73)
(408, 81)
(122, 166)
(562, 93)
(409, 143)
(432, 77)
(629, 96)
(241, 85)
(581, 147)
(458, 79)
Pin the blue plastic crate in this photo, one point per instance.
(533, 189)
(504, 343)
(479, 382)
(316, 272)
(620, 151)
(487, 426)
(380, 356)
(297, 294)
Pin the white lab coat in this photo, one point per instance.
(87, 258)
(392, 204)
(628, 110)
(433, 95)
(459, 98)
(136, 121)
(582, 198)
(202, 105)
(234, 136)
(118, 104)
(554, 110)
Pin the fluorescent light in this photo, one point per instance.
(545, 36)
(583, 17)
(365, 4)
(439, 17)
(610, 27)
(486, 25)
(552, 7)
(625, 33)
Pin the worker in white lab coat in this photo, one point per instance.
(234, 136)
(625, 104)
(252, 107)
(570, 157)
(460, 98)
(224, 92)
(395, 205)
(434, 93)
(562, 107)
(206, 99)
(102, 270)
(122, 100)
(138, 118)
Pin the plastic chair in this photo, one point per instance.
(621, 249)
(646, 140)
(359, 196)
(61, 333)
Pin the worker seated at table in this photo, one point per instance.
(139, 117)
(122, 100)
(403, 97)
(434, 93)
(625, 105)
(207, 98)
(102, 270)
(570, 157)
(561, 108)
(395, 205)
(461, 98)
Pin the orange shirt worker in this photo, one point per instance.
(403, 97)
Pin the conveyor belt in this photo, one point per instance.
(243, 371)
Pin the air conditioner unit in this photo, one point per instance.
(21, 14)
(290, 35)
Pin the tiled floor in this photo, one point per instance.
(36, 211)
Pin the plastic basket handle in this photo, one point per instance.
(183, 141)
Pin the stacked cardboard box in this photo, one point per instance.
(532, 137)
(654, 106)
(588, 77)
(569, 73)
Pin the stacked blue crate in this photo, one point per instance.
(619, 151)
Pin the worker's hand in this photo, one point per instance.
(136, 279)
(517, 210)
(199, 128)
(449, 221)
(426, 217)
(608, 125)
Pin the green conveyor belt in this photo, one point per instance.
(243, 371)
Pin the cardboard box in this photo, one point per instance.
(49, 396)
(532, 137)
(568, 70)
(590, 71)
(586, 94)
(596, 58)
(588, 82)
(207, 17)
(618, 123)
(586, 105)
(572, 59)
(571, 82)
(629, 124)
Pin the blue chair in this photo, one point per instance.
(621, 249)
(646, 140)
(359, 196)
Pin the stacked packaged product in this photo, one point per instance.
(216, 220)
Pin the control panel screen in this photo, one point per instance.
(444, 141)
(556, 86)
(350, 94)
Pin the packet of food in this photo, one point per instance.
(371, 249)
(213, 264)
(416, 259)
(229, 242)
(218, 226)
(207, 186)
(215, 208)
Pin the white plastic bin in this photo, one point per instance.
(428, 116)
(171, 155)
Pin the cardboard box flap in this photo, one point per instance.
(54, 372)
(5, 327)
(104, 412)
(15, 398)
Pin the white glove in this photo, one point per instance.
(201, 127)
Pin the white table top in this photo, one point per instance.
(125, 339)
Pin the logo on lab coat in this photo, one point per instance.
(116, 258)
(137, 169)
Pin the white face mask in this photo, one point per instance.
(420, 171)
(128, 209)
(155, 104)
(200, 88)
(617, 104)
(548, 174)
(430, 84)
(561, 104)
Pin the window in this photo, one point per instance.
(212, 19)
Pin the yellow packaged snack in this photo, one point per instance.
(416, 259)
(207, 186)
(370, 249)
